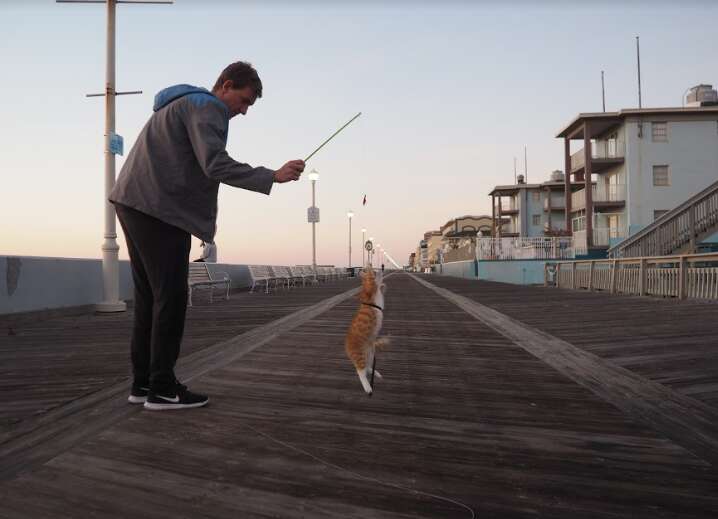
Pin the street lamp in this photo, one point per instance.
(350, 215)
(313, 218)
(363, 248)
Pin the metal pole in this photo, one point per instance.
(350, 242)
(110, 249)
(638, 56)
(363, 249)
(603, 92)
(314, 237)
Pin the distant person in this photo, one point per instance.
(209, 253)
(166, 192)
(382, 268)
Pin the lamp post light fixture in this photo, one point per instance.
(313, 218)
(350, 215)
(363, 248)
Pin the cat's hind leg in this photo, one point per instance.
(370, 363)
(364, 380)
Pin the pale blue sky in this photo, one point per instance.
(450, 93)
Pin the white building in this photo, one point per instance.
(641, 163)
(530, 210)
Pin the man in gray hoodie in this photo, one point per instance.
(165, 193)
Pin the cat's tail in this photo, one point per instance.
(382, 343)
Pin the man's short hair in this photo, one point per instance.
(241, 74)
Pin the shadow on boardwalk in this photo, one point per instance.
(463, 413)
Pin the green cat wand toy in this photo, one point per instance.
(332, 136)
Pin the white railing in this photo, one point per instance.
(556, 203)
(524, 248)
(601, 193)
(578, 199)
(693, 276)
(609, 193)
(600, 150)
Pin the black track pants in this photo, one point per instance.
(159, 254)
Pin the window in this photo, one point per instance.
(536, 220)
(657, 213)
(660, 176)
(659, 131)
(536, 196)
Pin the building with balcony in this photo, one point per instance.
(634, 165)
(531, 210)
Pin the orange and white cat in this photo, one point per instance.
(362, 337)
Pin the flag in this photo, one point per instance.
(364, 202)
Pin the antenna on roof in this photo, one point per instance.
(603, 92)
(638, 57)
(526, 167)
(514, 170)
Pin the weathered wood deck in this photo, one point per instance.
(464, 413)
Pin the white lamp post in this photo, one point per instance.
(110, 263)
(350, 215)
(313, 218)
(363, 249)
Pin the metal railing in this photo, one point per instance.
(693, 276)
(524, 248)
(677, 229)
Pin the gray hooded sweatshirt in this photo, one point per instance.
(174, 169)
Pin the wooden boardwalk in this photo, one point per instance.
(465, 416)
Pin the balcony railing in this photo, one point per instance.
(600, 150)
(524, 248)
(556, 203)
(601, 237)
(601, 193)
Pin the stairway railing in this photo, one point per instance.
(675, 230)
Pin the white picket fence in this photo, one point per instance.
(525, 248)
(692, 276)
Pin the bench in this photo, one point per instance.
(305, 273)
(199, 277)
(282, 275)
(261, 275)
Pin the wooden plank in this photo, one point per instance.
(687, 421)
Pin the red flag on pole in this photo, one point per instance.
(364, 202)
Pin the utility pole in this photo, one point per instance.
(113, 145)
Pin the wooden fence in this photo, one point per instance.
(689, 276)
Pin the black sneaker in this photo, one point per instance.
(138, 394)
(181, 398)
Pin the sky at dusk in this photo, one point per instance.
(450, 93)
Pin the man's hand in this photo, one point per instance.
(290, 171)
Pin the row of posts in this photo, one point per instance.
(642, 276)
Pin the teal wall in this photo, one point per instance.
(459, 269)
(517, 272)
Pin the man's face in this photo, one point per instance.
(237, 99)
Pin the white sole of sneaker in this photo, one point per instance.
(132, 399)
(173, 407)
